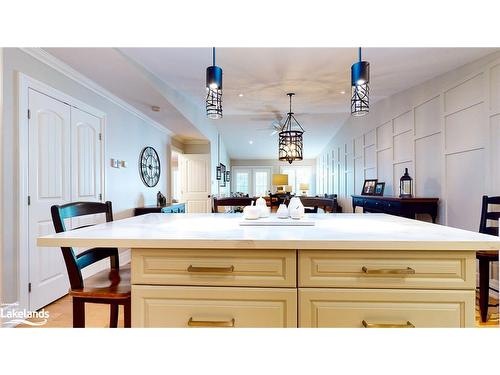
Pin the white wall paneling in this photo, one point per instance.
(403, 146)
(427, 166)
(384, 136)
(384, 169)
(464, 94)
(403, 123)
(465, 181)
(465, 129)
(428, 117)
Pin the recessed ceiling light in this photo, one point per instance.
(342, 92)
(240, 95)
(250, 142)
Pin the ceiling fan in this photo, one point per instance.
(274, 127)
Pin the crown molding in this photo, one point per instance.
(68, 71)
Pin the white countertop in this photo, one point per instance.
(222, 231)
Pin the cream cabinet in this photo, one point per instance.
(387, 269)
(268, 268)
(173, 306)
(380, 308)
(304, 288)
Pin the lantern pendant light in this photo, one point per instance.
(406, 185)
(214, 90)
(360, 79)
(290, 138)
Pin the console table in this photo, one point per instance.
(405, 207)
(172, 208)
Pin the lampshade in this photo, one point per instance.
(304, 186)
(280, 179)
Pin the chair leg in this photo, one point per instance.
(126, 309)
(484, 288)
(78, 313)
(113, 315)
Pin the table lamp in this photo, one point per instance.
(280, 180)
(304, 188)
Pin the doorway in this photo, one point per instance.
(175, 187)
(60, 161)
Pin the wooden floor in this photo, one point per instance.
(97, 316)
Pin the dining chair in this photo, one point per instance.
(111, 286)
(231, 202)
(486, 257)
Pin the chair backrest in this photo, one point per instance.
(489, 215)
(75, 263)
(312, 204)
(231, 201)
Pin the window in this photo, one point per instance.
(254, 181)
(261, 182)
(242, 184)
(297, 176)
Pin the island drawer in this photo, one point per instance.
(352, 308)
(265, 268)
(387, 269)
(174, 306)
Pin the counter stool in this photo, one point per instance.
(486, 257)
(111, 287)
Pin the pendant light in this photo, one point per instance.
(290, 138)
(360, 79)
(214, 90)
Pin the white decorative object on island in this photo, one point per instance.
(348, 270)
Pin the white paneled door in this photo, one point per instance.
(195, 182)
(64, 165)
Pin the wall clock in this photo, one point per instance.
(149, 166)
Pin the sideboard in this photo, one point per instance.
(405, 207)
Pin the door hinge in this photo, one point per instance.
(29, 287)
(29, 200)
(29, 114)
(100, 136)
(100, 196)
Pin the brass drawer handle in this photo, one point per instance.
(210, 323)
(381, 325)
(403, 271)
(229, 269)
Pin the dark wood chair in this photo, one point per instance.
(311, 204)
(231, 202)
(111, 286)
(486, 257)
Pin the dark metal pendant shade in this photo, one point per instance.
(290, 143)
(360, 79)
(214, 90)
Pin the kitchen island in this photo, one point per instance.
(348, 270)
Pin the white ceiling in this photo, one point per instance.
(264, 76)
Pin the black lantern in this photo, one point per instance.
(405, 186)
(360, 78)
(214, 90)
(290, 146)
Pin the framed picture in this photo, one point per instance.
(228, 176)
(218, 174)
(369, 187)
(223, 175)
(379, 188)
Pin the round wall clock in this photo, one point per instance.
(149, 166)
